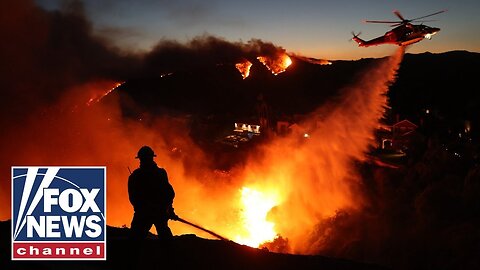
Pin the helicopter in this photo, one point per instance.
(405, 33)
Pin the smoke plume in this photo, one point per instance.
(205, 51)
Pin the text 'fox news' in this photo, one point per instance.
(58, 213)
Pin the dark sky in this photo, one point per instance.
(313, 28)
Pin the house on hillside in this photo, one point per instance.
(398, 136)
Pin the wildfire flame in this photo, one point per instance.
(256, 206)
(98, 96)
(244, 68)
(277, 64)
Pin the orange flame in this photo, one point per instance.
(97, 96)
(244, 68)
(256, 206)
(276, 65)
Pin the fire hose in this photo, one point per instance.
(201, 228)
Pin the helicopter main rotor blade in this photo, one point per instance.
(438, 12)
(396, 12)
(424, 21)
(368, 21)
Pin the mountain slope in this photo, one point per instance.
(184, 252)
(444, 81)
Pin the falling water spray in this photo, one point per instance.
(319, 178)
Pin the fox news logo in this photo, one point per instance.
(58, 213)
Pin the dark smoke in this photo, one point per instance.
(44, 53)
(204, 51)
(47, 52)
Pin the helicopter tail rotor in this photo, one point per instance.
(354, 36)
(358, 40)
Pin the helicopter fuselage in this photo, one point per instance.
(409, 34)
(402, 35)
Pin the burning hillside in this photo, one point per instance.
(244, 68)
(206, 51)
(276, 65)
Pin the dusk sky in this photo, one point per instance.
(318, 29)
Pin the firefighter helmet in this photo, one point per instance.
(145, 152)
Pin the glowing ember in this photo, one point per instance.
(98, 97)
(244, 68)
(165, 74)
(276, 65)
(256, 207)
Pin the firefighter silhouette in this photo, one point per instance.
(151, 196)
